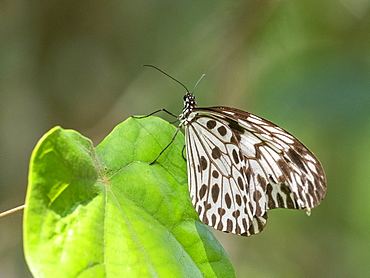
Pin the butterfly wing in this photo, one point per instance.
(222, 193)
(241, 165)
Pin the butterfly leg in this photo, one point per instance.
(182, 152)
(165, 148)
(155, 112)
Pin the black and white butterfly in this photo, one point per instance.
(240, 166)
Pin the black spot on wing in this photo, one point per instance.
(228, 200)
(202, 191)
(211, 124)
(222, 130)
(213, 219)
(216, 152)
(235, 127)
(238, 199)
(215, 192)
(229, 226)
(283, 167)
(240, 183)
(235, 156)
(271, 204)
(203, 163)
(280, 200)
(296, 159)
(215, 174)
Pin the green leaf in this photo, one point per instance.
(106, 212)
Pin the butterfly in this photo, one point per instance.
(240, 166)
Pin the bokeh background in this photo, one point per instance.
(304, 65)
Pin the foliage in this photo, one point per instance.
(106, 212)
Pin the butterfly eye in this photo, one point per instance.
(185, 98)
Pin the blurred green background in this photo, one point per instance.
(304, 65)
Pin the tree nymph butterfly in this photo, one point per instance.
(240, 166)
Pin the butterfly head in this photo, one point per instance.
(189, 101)
(189, 105)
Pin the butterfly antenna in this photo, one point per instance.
(196, 84)
(168, 75)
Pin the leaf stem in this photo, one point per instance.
(10, 211)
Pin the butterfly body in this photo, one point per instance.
(240, 166)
